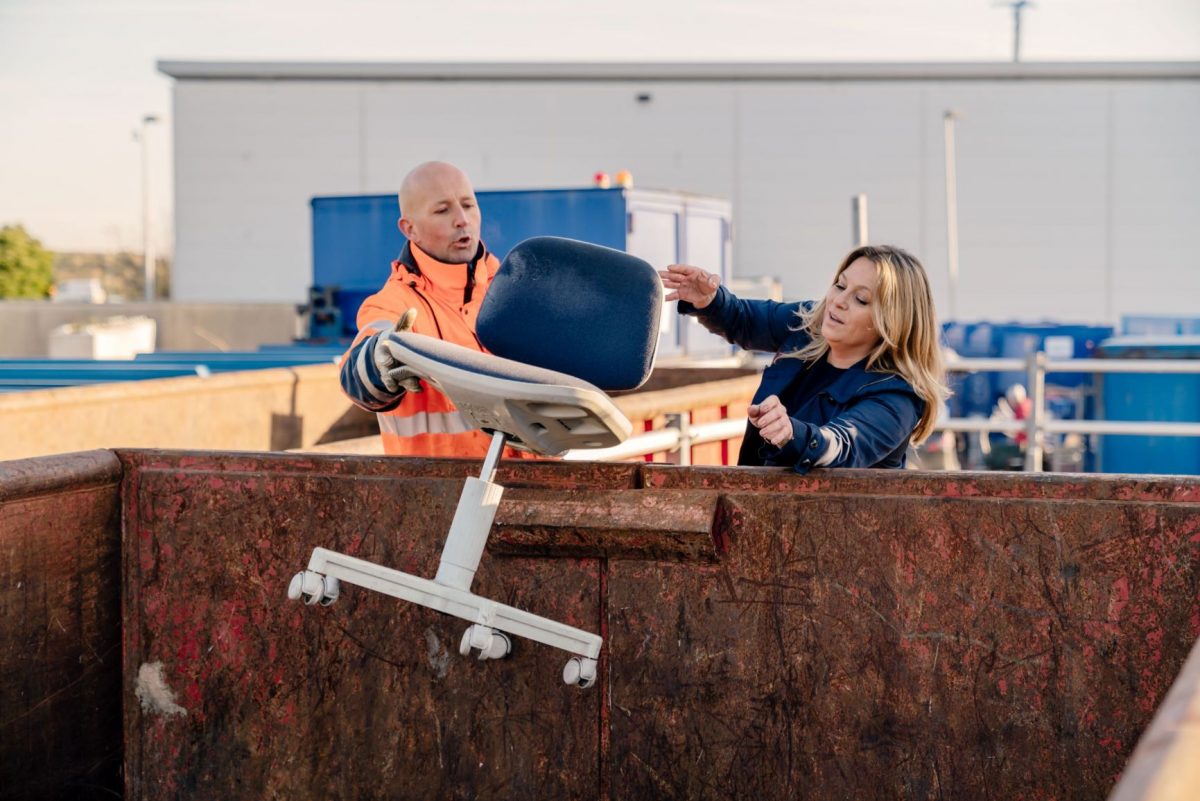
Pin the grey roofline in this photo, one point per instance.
(673, 71)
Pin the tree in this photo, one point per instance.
(26, 268)
(121, 274)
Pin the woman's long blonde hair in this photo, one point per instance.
(903, 313)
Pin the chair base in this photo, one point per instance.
(491, 621)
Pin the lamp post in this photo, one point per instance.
(149, 257)
(1017, 7)
(951, 213)
(858, 221)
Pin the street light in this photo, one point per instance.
(858, 221)
(948, 119)
(149, 257)
(1017, 7)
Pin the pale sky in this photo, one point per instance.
(77, 76)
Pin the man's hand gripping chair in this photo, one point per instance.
(563, 320)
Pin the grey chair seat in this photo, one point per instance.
(540, 410)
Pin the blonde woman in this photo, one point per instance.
(857, 376)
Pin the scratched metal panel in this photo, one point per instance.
(511, 472)
(864, 644)
(861, 634)
(60, 627)
(365, 699)
(1050, 486)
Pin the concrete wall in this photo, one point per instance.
(1076, 182)
(300, 408)
(25, 326)
(255, 410)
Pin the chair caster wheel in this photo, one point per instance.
(484, 642)
(313, 588)
(332, 590)
(580, 671)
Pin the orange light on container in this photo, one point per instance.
(625, 179)
(601, 180)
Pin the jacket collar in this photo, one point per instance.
(857, 381)
(442, 274)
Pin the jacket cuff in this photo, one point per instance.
(711, 310)
(804, 448)
(362, 382)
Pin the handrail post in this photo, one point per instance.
(683, 422)
(685, 438)
(1035, 369)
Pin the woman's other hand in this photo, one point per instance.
(772, 421)
(684, 282)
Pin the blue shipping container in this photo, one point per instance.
(1151, 397)
(976, 393)
(355, 239)
(1156, 325)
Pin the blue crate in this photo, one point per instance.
(1150, 397)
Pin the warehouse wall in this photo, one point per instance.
(1071, 192)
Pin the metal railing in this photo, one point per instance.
(1036, 366)
(680, 435)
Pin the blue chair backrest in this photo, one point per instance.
(581, 309)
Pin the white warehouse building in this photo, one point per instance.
(1078, 185)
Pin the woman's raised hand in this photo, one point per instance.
(684, 282)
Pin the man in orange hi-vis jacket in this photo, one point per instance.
(436, 287)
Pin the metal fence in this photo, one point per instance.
(679, 435)
(1038, 424)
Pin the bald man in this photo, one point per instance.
(436, 287)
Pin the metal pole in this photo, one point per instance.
(1017, 31)
(1017, 7)
(1035, 369)
(149, 257)
(858, 221)
(948, 119)
(492, 460)
(682, 421)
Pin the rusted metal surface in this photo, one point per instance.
(1164, 766)
(366, 699)
(60, 627)
(542, 473)
(846, 634)
(1059, 487)
(649, 524)
(48, 475)
(888, 635)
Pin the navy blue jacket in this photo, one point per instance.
(866, 417)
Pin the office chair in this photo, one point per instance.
(563, 321)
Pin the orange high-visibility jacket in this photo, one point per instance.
(447, 299)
